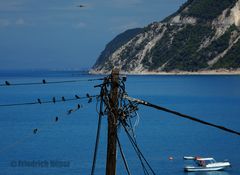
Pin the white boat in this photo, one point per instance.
(205, 164)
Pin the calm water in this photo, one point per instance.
(160, 135)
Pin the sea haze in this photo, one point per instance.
(69, 142)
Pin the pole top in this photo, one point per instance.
(115, 71)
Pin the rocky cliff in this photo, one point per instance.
(201, 35)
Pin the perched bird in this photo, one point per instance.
(39, 101)
(77, 97)
(35, 131)
(44, 81)
(63, 98)
(7, 83)
(56, 119)
(54, 100)
(70, 111)
(90, 100)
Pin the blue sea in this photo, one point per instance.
(66, 147)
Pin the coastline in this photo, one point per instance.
(204, 72)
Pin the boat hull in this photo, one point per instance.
(205, 164)
(195, 169)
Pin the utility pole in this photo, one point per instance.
(112, 124)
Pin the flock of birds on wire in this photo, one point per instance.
(54, 99)
(70, 111)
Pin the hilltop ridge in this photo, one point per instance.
(203, 35)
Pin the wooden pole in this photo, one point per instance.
(112, 124)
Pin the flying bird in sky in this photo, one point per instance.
(81, 5)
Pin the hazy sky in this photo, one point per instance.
(56, 34)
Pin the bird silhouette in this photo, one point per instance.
(39, 101)
(54, 100)
(81, 6)
(70, 111)
(44, 81)
(63, 98)
(78, 106)
(90, 100)
(56, 119)
(7, 83)
(77, 97)
(35, 131)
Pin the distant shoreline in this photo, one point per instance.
(205, 72)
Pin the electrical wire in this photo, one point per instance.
(138, 151)
(16, 143)
(44, 82)
(35, 131)
(145, 103)
(100, 114)
(136, 122)
(46, 102)
(123, 156)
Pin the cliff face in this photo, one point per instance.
(201, 35)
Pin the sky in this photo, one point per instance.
(59, 35)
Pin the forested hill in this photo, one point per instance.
(201, 35)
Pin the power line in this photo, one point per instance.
(16, 143)
(145, 103)
(49, 101)
(138, 151)
(36, 130)
(100, 115)
(8, 83)
(123, 156)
